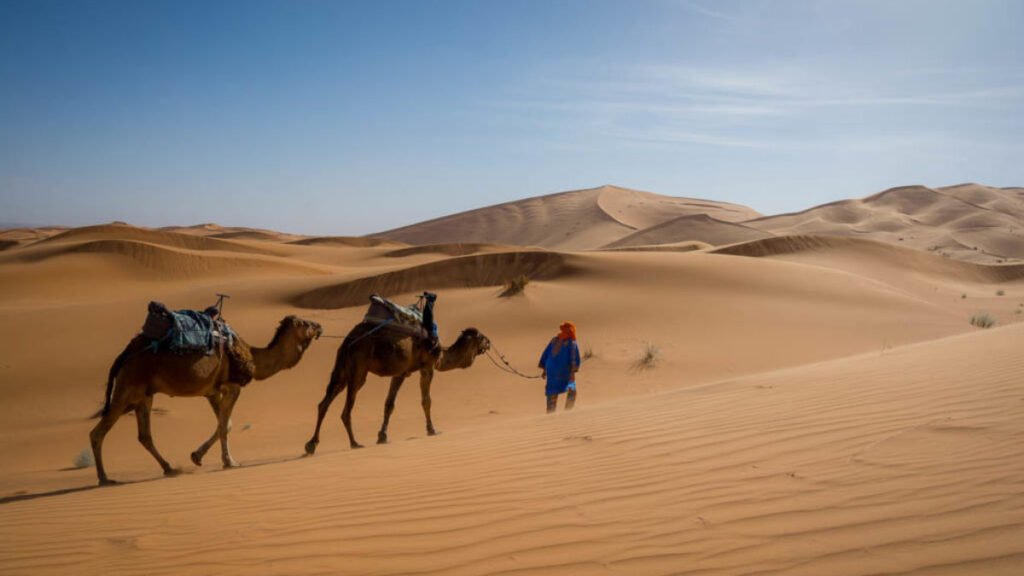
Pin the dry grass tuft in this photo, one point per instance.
(515, 286)
(983, 320)
(649, 357)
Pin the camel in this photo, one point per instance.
(395, 354)
(138, 373)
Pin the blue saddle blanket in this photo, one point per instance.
(191, 330)
(185, 330)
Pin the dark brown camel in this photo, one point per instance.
(397, 354)
(137, 374)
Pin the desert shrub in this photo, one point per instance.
(84, 459)
(1000, 293)
(963, 296)
(983, 320)
(649, 356)
(516, 285)
(588, 353)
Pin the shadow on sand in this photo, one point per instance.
(22, 496)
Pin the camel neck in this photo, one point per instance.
(271, 360)
(452, 357)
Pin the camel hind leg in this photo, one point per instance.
(119, 404)
(334, 387)
(142, 415)
(350, 401)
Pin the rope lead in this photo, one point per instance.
(507, 367)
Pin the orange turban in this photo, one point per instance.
(568, 331)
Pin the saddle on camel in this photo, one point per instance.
(416, 320)
(184, 331)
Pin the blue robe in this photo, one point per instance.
(560, 359)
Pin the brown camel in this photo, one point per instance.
(141, 373)
(398, 355)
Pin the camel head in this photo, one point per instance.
(470, 344)
(305, 330)
(295, 334)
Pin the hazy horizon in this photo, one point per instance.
(347, 118)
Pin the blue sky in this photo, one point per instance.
(330, 117)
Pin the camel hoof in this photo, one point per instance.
(382, 438)
(230, 464)
(172, 472)
(107, 482)
(432, 432)
(310, 448)
(356, 445)
(197, 458)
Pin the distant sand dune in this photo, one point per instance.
(698, 227)
(168, 262)
(574, 220)
(28, 235)
(460, 272)
(922, 218)
(877, 253)
(170, 239)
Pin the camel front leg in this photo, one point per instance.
(389, 407)
(426, 376)
(197, 456)
(142, 415)
(227, 403)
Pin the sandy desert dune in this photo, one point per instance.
(818, 403)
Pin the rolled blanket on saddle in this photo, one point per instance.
(406, 319)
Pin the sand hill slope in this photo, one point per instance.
(969, 222)
(576, 220)
(698, 228)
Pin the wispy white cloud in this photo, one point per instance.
(756, 108)
(710, 13)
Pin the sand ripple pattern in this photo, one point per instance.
(906, 462)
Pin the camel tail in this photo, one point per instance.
(114, 369)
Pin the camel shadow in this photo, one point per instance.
(23, 496)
